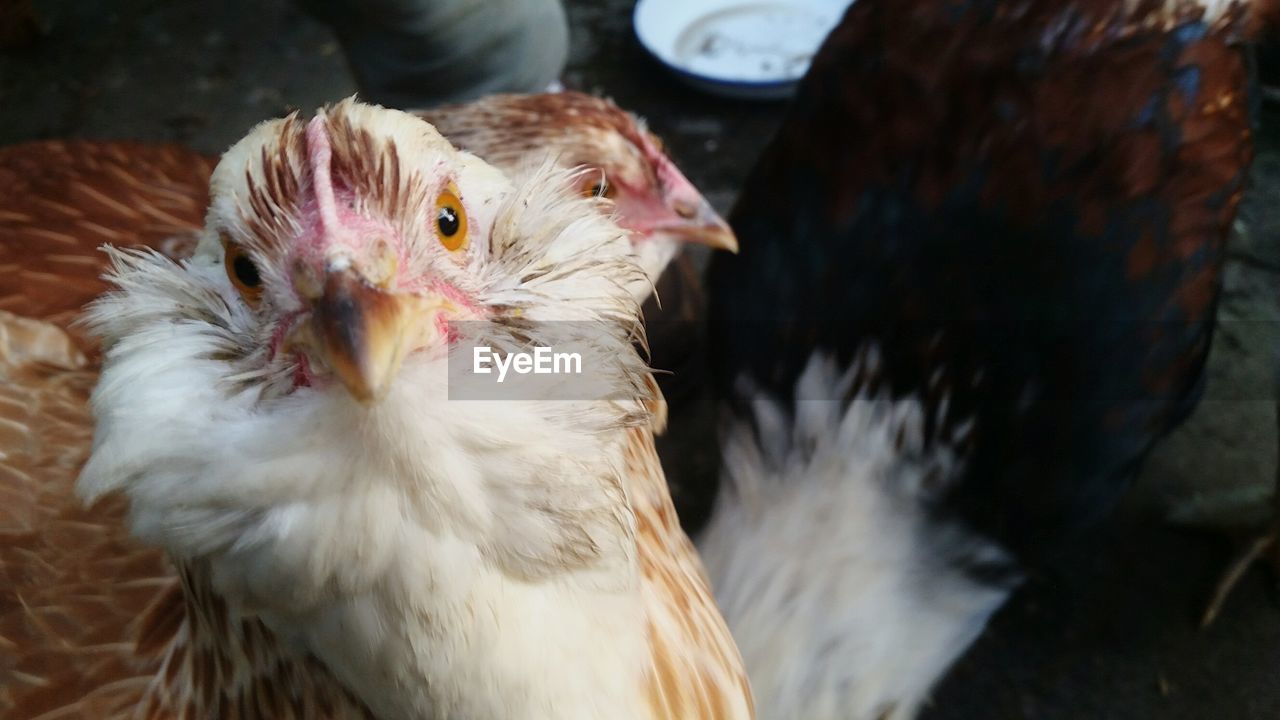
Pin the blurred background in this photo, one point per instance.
(1110, 632)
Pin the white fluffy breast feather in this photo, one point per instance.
(834, 582)
(653, 255)
(443, 558)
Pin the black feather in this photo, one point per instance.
(1025, 207)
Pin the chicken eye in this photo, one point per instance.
(451, 220)
(597, 186)
(242, 271)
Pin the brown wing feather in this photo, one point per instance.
(92, 624)
(213, 663)
(74, 584)
(697, 671)
(65, 199)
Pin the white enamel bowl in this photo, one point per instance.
(739, 48)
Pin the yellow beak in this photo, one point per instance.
(360, 332)
(700, 223)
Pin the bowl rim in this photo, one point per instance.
(653, 49)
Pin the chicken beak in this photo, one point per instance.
(686, 216)
(700, 223)
(360, 331)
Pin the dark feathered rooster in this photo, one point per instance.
(980, 267)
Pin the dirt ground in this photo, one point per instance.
(1110, 632)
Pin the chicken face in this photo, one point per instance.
(618, 157)
(344, 245)
(653, 198)
(353, 251)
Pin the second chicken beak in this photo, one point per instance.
(700, 223)
(360, 331)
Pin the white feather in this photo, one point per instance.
(834, 580)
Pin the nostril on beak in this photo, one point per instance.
(306, 280)
(383, 263)
(686, 209)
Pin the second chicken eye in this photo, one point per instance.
(597, 186)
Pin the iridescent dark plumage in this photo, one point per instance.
(1025, 205)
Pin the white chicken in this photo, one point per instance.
(350, 541)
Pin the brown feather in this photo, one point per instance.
(65, 199)
(93, 624)
(697, 671)
(504, 129)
